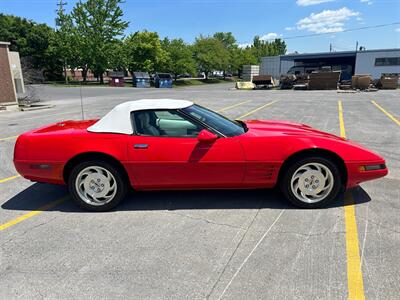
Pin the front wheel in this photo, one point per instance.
(96, 185)
(311, 182)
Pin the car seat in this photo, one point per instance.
(145, 125)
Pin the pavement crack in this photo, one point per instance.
(206, 220)
(27, 230)
(233, 254)
(308, 235)
(379, 224)
(251, 253)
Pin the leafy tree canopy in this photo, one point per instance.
(179, 57)
(144, 52)
(98, 24)
(28, 38)
(210, 54)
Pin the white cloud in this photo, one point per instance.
(270, 36)
(311, 2)
(327, 20)
(398, 29)
(369, 2)
(244, 45)
(266, 37)
(290, 28)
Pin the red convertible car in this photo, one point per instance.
(175, 144)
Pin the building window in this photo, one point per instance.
(387, 61)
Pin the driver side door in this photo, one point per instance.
(176, 158)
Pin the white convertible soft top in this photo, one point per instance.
(118, 120)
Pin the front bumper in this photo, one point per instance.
(361, 171)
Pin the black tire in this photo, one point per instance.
(120, 182)
(285, 182)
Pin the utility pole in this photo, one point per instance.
(60, 11)
(59, 24)
(356, 46)
(330, 47)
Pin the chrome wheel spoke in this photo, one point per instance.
(312, 182)
(96, 185)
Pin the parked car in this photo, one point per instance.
(175, 144)
(186, 75)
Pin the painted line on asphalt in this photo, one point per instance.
(257, 109)
(355, 284)
(9, 178)
(233, 106)
(8, 138)
(341, 121)
(251, 252)
(32, 213)
(389, 115)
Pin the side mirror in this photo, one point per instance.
(206, 136)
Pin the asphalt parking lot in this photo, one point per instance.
(208, 244)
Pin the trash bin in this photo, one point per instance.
(116, 79)
(141, 79)
(163, 80)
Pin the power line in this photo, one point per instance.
(346, 30)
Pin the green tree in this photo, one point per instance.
(98, 25)
(229, 42)
(263, 48)
(118, 59)
(63, 38)
(244, 56)
(32, 41)
(144, 52)
(179, 57)
(210, 54)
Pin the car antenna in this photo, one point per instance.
(80, 92)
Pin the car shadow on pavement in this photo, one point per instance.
(38, 195)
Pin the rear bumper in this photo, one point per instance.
(41, 171)
(356, 174)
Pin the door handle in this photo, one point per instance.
(140, 146)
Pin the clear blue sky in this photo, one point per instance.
(245, 18)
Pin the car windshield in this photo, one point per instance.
(218, 122)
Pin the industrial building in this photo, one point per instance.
(11, 80)
(371, 62)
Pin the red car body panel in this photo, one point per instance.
(250, 160)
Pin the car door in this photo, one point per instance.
(176, 159)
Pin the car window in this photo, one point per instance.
(216, 121)
(166, 123)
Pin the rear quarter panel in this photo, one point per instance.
(56, 148)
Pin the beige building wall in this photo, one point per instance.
(7, 89)
(16, 72)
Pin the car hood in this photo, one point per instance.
(301, 136)
(268, 128)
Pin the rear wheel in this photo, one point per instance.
(311, 182)
(96, 185)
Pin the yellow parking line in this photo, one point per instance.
(257, 109)
(341, 122)
(390, 116)
(233, 106)
(9, 178)
(9, 138)
(355, 284)
(32, 213)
